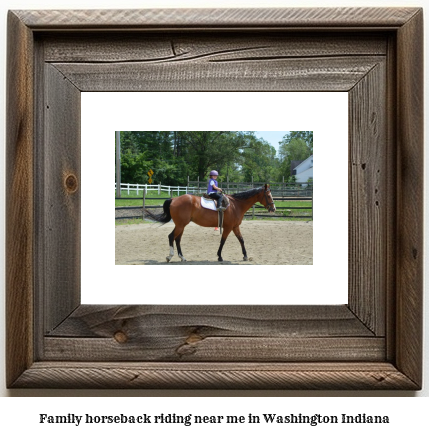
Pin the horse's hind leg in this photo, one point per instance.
(175, 235)
(171, 242)
(181, 213)
(179, 249)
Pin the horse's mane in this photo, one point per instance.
(247, 194)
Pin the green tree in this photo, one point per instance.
(259, 159)
(295, 146)
(134, 167)
(306, 136)
(155, 143)
(207, 150)
(175, 155)
(144, 150)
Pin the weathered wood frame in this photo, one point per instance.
(374, 342)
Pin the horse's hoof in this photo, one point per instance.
(168, 259)
(245, 258)
(183, 259)
(220, 259)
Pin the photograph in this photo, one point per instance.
(207, 185)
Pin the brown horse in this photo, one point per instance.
(186, 208)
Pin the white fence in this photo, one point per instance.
(132, 187)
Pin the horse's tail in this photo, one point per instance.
(163, 217)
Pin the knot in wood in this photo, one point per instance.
(120, 337)
(193, 338)
(71, 183)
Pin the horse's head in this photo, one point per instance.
(267, 200)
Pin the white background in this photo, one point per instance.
(21, 413)
(326, 113)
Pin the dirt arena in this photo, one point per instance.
(267, 243)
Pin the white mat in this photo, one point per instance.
(208, 204)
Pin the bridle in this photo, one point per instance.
(269, 203)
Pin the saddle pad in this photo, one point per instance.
(208, 204)
(211, 204)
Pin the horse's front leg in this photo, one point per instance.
(179, 248)
(225, 234)
(240, 238)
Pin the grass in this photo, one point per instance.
(249, 218)
(292, 212)
(131, 200)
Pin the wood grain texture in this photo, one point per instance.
(19, 199)
(330, 74)
(61, 185)
(410, 199)
(213, 333)
(110, 375)
(137, 321)
(39, 153)
(217, 18)
(172, 47)
(179, 348)
(368, 203)
(190, 347)
(391, 193)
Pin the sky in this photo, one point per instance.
(272, 137)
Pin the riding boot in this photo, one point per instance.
(219, 203)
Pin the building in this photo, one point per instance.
(304, 170)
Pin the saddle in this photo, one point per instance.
(209, 203)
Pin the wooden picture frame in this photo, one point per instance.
(373, 342)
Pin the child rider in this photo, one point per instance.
(214, 191)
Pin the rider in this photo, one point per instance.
(214, 191)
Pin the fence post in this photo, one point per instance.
(253, 212)
(118, 163)
(128, 188)
(169, 187)
(145, 188)
(159, 189)
(198, 184)
(144, 203)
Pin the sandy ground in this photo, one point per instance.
(267, 243)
